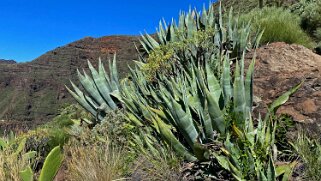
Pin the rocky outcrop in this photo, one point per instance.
(34, 91)
(279, 67)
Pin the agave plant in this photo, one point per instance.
(100, 90)
(96, 97)
(195, 104)
(198, 37)
(252, 156)
(202, 100)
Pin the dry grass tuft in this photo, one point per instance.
(165, 166)
(11, 165)
(94, 163)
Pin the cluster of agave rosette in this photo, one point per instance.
(199, 101)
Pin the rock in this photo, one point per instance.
(279, 67)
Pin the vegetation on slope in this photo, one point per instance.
(186, 115)
(279, 25)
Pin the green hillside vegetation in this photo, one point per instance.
(279, 25)
(184, 112)
(303, 13)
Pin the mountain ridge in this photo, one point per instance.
(34, 91)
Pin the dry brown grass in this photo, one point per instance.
(11, 165)
(165, 166)
(94, 163)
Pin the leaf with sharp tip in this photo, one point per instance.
(216, 114)
(205, 118)
(249, 85)
(185, 123)
(146, 44)
(161, 33)
(104, 87)
(114, 72)
(101, 85)
(283, 98)
(213, 84)
(226, 80)
(90, 87)
(239, 97)
(169, 137)
(80, 98)
(151, 40)
(139, 63)
(271, 171)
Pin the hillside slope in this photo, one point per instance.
(35, 90)
(244, 6)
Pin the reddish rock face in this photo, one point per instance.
(279, 67)
(34, 91)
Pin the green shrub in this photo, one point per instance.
(279, 25)
(317, 33)
(310, 13)
(309, 152)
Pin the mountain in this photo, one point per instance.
(35, 91)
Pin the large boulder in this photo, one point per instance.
(280, 66)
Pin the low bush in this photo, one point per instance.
(10, 165)
(279, 25)
(310, 13)
(309, 151)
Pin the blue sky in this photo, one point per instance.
(29, 28)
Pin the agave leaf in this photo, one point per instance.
(90, 87)
(114, 72)
(271, 171)
(226, 80)
(169, 137)
(26, 174)
(216, 114)
(146, 44)
(114, 81)
(205, 118)
(213, 84)
(185, 123)
(80, 98)
(139, 64)
(249, 85)
(285, 170)
(239, 97)
(152, 41)
(102, 85)
(223, 161)
(51, 165)
(283, 98)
